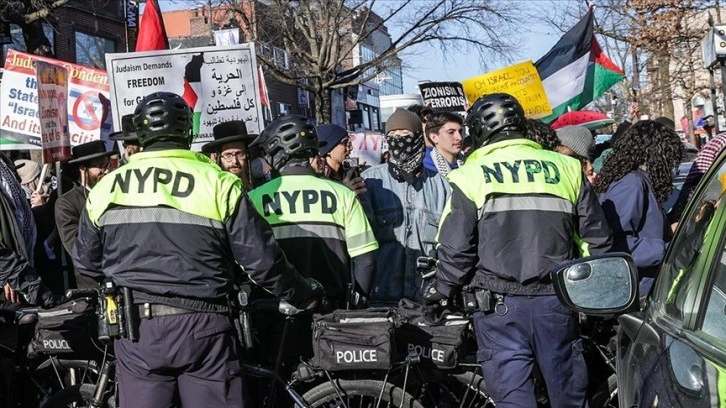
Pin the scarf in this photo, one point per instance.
(443, 165)
(406, 156)
(19, 204)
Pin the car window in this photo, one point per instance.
(686, 263)
(714, 320)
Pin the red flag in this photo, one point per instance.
(263, 87)
(152, 34)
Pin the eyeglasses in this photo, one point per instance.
(102, 166)
(229, 156)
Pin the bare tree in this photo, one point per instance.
(659, 38)
(323, 36)
(29, 15)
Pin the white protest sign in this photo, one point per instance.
(20, 120)
(53, 107)
(368, 147)
(219, 83)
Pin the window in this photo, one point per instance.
(18, 43)
(374, 119)
(714, 318)
(690, 260)
(366, 117)
(282, 58)
(91, 50)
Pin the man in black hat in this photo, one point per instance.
(92, 162)
(128, 137)
(229, 149)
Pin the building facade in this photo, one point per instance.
(81, 32)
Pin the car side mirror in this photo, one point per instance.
(598, 285)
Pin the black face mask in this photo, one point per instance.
(406, 156)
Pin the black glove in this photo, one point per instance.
(432, 297)
(317, 293)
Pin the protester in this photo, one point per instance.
(128, 137)
(507, 225)
(404, 203)
(444, 132)
(230, 150)
(92, 163)
(635, 181)
(333, 161)
(29, 172)
(577, 142)
(176, 239)
(703, 161)
(542, 134)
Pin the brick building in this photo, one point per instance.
(82, 32)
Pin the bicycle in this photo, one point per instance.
(35, 378)
(307, 387)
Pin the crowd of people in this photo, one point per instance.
(498, 198)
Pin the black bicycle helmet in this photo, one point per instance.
(492, 114)
(287, 137)
(163, 116)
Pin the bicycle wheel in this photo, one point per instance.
(460, 390)
(75, 396)
(358, 393)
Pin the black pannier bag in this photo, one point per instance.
(355, 339)
(68, 329)
(443, 343)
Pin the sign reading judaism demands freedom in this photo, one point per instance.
(521, 81)
(219, 83)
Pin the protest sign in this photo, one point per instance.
(521, 80)
(88, 119)
(444, 96)
(218, 83)
(53, 107)
(368, 147)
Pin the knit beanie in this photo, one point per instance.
(578, 139)
(29, 171)
(403, 119)
(332, 135)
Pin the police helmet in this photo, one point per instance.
(163, 116)
(492, 114)
(286, 137)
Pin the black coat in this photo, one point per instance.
(68, 209)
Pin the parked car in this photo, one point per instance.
(671, 351)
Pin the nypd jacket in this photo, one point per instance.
(405, 218)
(172, 225)
(515, 212)
(320, 225)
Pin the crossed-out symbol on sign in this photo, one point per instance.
(94, 120)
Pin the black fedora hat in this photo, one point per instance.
(228, 132)
(127, 133)
(89, 151)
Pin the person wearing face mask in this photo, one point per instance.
(404, 202)
(444, 131)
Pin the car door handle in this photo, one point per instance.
(634, 326)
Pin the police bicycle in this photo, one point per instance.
(32, 375)
(306, 387)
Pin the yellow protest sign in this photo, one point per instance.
(520, 80)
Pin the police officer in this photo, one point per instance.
(319, 223)
(514, 214)
(171, 225)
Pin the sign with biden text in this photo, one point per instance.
(87, 102)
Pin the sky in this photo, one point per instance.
(536, 39)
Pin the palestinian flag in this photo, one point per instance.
(576, 71)
(193, 88)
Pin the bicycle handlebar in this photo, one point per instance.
(279, 305)
(79, 293)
